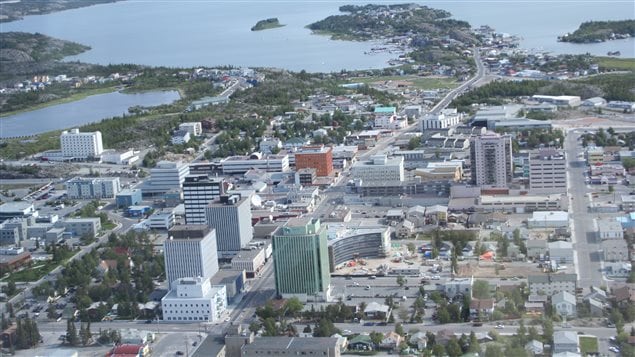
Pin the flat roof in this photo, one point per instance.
(292, 343)
(14, 206)
(517, 199)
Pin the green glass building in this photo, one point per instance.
(300, 259)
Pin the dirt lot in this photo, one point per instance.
(488, 269)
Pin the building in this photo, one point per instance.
(165, 176)
(81, 145)
(13, 231)
(180, 137)
(234, 281)
(194, 299)
(550, 284)
(9, 262)
(242, 164)
(190, 251)
(560, 100)
(614, 250)
(594, 155)
(346, 243)
(564, 304)
(536, 248)
(301, 262)
(317, 157)
(446, 118)
(293, 346)
(610, 229)
(548, 219)
(92, 188)
(521, 203)
(16, 209)
(230, 216)
(128, 197)
(194, 128)
(565, 341)
(305, 177)
(198, 192)
(379, 168)
(270, 145)
(119, 157)
(249, 260)
(548, 171)
(460, 286)
(161, 219)
(491, 159)
(560, 251)
(80, 227)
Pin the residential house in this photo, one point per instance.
(596, 307)
(419, 340)
(534, 308)
(377, 311)
(624, 295)
(596, 294)
(549, 284)
(535, 348)
(564, 304)
(361, 343)
(390, 341)
(565, 341)
(481, 307)
(406, 229)
(536, 248)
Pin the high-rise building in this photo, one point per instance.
(491, 158)
(547, 171)
(91, 187)
(198, 192)
(379, 168)
(230, 216)
(194, 299)
(164, 177)
(81, 145)
(317, 157)
(301, 259)
(190, 252)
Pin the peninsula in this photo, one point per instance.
(16, 10)
(267, 24)
(600, 31)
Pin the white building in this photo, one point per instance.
(446, 118)
(180, 137)
(93, 188)
(548, 171)
(81, 145)
(379, 168)
(194, 299)
(242, 164)
(548, 219)
(560, 251)
(550, 284)
(164, 177)
(194, 128)
(230, 216)
(560, 100)
(610, 229)
(162, 220)
(82, 226)
(251, 261)
(190, 250)
(119, 157)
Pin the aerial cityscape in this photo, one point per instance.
(331, 178)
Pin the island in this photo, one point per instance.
(267, 24)
(600, 31)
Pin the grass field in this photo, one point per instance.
(588, 345)
(623, 64)
(417, 82)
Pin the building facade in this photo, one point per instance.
(491, 159)
(190, 251)
(128, 197)
(242, 164)
(194, 128)
(551, 284)
(81, 145)
(93, 188)
(318, 157)
(82, 226)
(379, 168)
(194, 299)
(347, 244)
(301, 262)
(165, 176)
(548, 171)
(230, 216)
(198, 192)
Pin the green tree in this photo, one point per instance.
(325, 328)
(494, 350)
(270, 328)
(399, 329)
(254, 326)
(71, 333)
(443, 315)
(293, 306)
(481, 290)
(376, 337)
(474, 345)
(547, 330)
(401, 281)
(521, 333)
(438, 350)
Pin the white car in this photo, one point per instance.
(614, 349)
(499, 326)
(436, 277)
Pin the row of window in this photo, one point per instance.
(183, 312)
(186, 305)
(195, 318)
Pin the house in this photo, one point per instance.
(444, 336)
(535, 348)
(390, 341)
(564, 304)
(481, 307)
(534, 308)
(623, 295)
(536, 248)
(419, 340)
(565, 341)
(361, 343)
(596, 307)
(596, 294)
(560, 251)
(406, 229)
(377, 311)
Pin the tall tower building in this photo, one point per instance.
(198, 192)
(81, 145)
(190, 252)
(316, 157)
(301, 260)
(230, 216)
(491, 159)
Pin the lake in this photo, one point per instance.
(88, 110)
(195, 33)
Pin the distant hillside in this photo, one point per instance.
(600, 31)
(12, 11)
(266, 24)
(382, 21)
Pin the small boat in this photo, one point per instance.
(614, 53)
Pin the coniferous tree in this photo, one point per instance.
(71, 333)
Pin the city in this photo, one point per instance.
(473, 208)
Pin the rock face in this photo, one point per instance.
(14, 55)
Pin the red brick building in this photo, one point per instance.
(317, 157)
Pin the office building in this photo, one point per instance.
(230, 216)
(80, 227)
(128, 197)
(301, 261)
(190, 251)
(379, 168)
(491, 159)
(194, 128)
(348, 242)
(550, 284)
(20, 224)
(446, 118)
(81, 145)
(316, 157)
(165, 176)
(293, 346)
(194, 299)
(548, 171)
(198, 192)
(242, 164)
(92, 188)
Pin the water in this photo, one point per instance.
(88, 110)
(192, 33)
